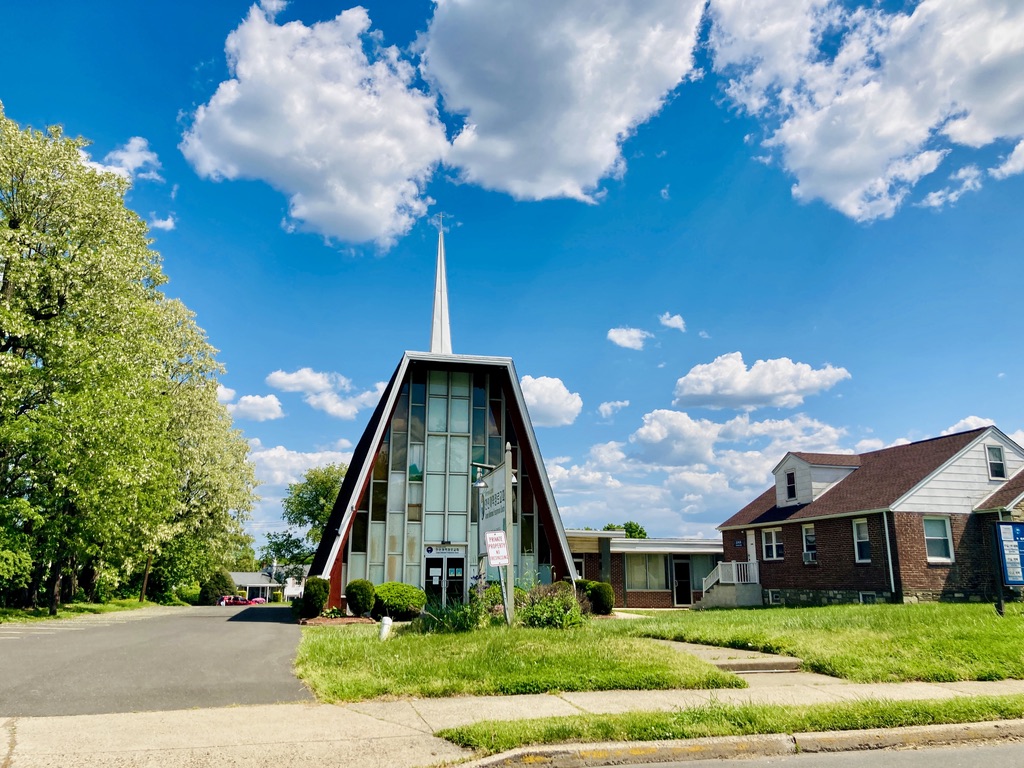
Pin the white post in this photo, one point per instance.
(510, 578)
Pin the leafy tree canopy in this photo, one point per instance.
(633, 530)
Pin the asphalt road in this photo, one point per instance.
(150, 660)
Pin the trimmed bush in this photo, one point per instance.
(214, 588)
(399, 601)
(314, 597)
(359, 596)
(601, 597)
(276, 596)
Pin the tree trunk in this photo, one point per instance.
(53, 587)
(145, 578)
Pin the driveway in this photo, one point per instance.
(150, 660)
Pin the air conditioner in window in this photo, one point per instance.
(810, 557)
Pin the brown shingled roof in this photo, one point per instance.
(829, 459)
(880, 479)
(1007, 495)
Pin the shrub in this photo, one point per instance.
(333, 613)
(601, 597)
(359, 596)
(276, 596)
(397, 600)
(188, 593)
(552, 605)
(454, 617)
(219, 584)
(314, 597)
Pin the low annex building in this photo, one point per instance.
(902, 524)
(409, 504)
(645, 573)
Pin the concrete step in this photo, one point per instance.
(738, 660)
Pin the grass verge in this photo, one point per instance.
(349, 663)
(717, 719)
(934, 642)
(70, 610)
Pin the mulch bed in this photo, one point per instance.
(319, 620)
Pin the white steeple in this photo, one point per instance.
(441, 332)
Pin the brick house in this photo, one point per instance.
(645, 573)
(903, 524)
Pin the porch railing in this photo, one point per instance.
(732, 572)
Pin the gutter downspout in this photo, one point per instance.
(888, 553)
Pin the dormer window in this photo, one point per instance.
(790, 486)
(996, 464)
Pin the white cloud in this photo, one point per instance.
(607, 410)
(166, 224)
(225, 394)
(550, 91)
(704, 335)
(673, 321)
(1012, 165)
(323, 390)
(281, 466)
(134, 160)
(550, 403)
(969, 178)
(630, 338)
(329, 117)
(968, 423)
(860, 103)
(664, 192)
(727, 383)
(257, 408)
(1017, 437)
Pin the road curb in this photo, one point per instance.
(642, 752)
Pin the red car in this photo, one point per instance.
(232, 600)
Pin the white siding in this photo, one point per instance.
(803, 481)
(957, 487)
(823, 478)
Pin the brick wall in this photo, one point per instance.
(968, 577)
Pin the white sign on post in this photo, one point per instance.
(497, 549)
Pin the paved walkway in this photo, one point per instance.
(375, 734)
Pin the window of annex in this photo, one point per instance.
(938, 540)
(810, 544)
(646, 572)
(790, 486)
(861, 541)
(771, 543)
(996, 462)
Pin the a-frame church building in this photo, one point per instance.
(408, 508)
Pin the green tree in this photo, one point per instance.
(633, 530)
(308, 503)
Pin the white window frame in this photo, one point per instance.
(579, 562)
(804, 529)
(948, 537)
(774, 597)
(778, 551)
(791, 474)
(856, 540)
(1001, 461)
(868, 598)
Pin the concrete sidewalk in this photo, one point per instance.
(400, 733)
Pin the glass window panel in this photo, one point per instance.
(495, 450)
(396, 492)
(938, 548)
(460, 384)
(412, 575)
(400, 421)
(438, 383)
(636, 571)
(458, 528)
(417, 422)
(437, 414)
(357, 567)
(376, 574)
(458, 458)
(935, 529)
(458, 493)
(480, 454)
(360, 531)
(494, 418)
(394, 572)
(380, 466)
(437, 447)
(364, 502)
(413, 542)
(527, 533)
(460, 415)
(380, 501)
(415, 506)
(433, 528)
(419, 390)
(435, 493)
(377, 533)
(656, 574)
(479, 426)
(415, 462)
(399, 451)
(396, 532)
(479, 389)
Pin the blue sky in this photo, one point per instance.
(707, 233)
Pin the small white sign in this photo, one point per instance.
(497, 549)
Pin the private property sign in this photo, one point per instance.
(497, 549)
(492, 503)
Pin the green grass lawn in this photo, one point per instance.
(70, 610)
(865, 643)
(718, 719)
(349, 663)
